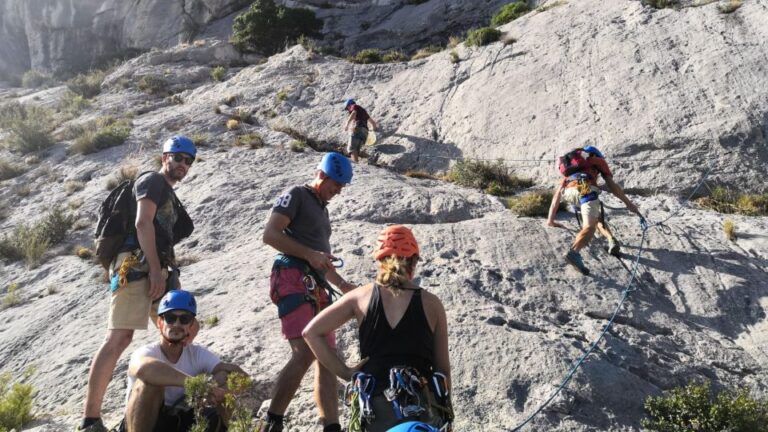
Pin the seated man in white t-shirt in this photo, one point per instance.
(156, 373)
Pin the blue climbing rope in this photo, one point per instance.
(645, 227)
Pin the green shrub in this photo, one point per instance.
(28, 126)
(31, 241)
(9, 170)
(11, 298)
(101, 133)
(696, 408)
(199, 140)
(266, 28)
(35, 79)
(726, 200)
(238, 385)
(197, 390)
(483, 36)
(298, 146)
(531, 204)
(661, 4)
(426, 52)
(367, 56)
(493, 178)
(87, 85)
(250, 140)
(15, 404)
(509, 12)
(454, 57)
(153, 85)
(394, 56)
(218, 73)
(73, 103)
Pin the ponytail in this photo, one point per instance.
(395, 272)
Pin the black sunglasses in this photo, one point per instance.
(178, 157)
(183, 319)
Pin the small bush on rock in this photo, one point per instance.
(394, 56)
(28, 126)
(493, 178)
(36, 79)
(250, 140)
(367, 56)
(662, 4)
(9, 170)
(15, 404)
(483, 36)
(725, 200)
(100, 134)
(153, 85)
(426, 52)
(218, 73)
(87, 85)
(509, 12)
(531, 204)
(696, 408)
(266, 28)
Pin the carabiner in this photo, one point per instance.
(337, 262)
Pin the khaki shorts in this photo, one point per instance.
(130, 307)
(357, 139)
(590, 211)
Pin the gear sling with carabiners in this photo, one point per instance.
(313, 282)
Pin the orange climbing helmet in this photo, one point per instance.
(395, 240)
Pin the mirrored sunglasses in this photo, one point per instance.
(183, 319)
(178, 157)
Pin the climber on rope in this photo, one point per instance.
(405, 374)
(580, 169)
(300, 229)
(357, 124)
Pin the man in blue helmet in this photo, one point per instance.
(300, 229)
(357, 124)
(578, 188)
(143, 269)
(157, 372)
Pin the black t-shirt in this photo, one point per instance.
(361, 119)
(154, 187)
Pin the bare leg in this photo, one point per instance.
(102, 367)
(585, 235)
(355, 156)
(326, 396)
(604, 230)
(143, 406)
(289, 379)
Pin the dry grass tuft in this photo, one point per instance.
(233, 124)
(250, 140)
(418, 174)
(729, 228)
(531, 203)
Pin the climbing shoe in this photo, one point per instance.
(573, 258)
(614, 247)
(94, 426)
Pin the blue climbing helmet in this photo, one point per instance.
(413, 426)
(593, 151)
(349, 102)
(337, 167)
(178, 300)
(180, 144)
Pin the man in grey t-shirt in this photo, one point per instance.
(299, 228)
(139, 273)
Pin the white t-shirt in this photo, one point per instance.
(194, 360)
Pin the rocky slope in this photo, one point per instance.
(641, 84)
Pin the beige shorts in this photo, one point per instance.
(590, 211)
(130, 307)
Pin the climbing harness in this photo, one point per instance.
(312, 281)
(645, 226)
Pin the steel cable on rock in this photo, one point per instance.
(645, 226)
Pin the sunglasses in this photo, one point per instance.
(178, 157)
(183, 319)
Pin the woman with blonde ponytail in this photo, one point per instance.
(405, 372)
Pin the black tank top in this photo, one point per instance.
(361, 119)
(410, 343)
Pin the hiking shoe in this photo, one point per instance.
(97, 426)
(574, 258)
(614, 247)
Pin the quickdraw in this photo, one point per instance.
(357, 396)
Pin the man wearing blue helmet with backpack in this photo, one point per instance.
(300, 229)
(581, 168)
(139, 224)
(157, 372)
(357, 124)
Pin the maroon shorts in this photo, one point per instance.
(284, 281)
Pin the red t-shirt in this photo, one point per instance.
(595, 166)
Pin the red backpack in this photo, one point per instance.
(572, 162)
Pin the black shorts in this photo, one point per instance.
(174, 420)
